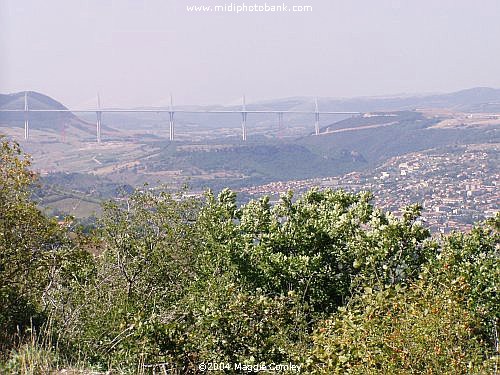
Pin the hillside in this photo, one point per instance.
(298, 284)
(384, 135)
(209, 154)
(190, 126)
(353, 144)
(478, 99)
(240, 165)
(61, 123)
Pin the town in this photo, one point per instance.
(456, 186)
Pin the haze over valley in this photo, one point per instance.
(275, 186)
(208, 151)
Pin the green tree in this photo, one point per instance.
(324, 279)
(320, 245)
(444, 322)
(146, 246)
(467, 264)
(412, 330)
(35, 251)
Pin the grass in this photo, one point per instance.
(37, 354)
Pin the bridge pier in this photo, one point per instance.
(316, 119)
(171, 120)
(98, 126)
(171, 126)
(26, 118)
(244, 126)
(99, 119)
(280, 123)
(244, 121)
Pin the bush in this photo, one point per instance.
(324, 280)
(33, 250)
(320, 246)
(445, 323)
(146, 246)
(410, 330)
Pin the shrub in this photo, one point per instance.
(33, 249)
(410, 330)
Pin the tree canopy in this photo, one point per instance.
(324, 280)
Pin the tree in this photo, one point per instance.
(146, 246)
(34, 250)
(443, 322)
(320, 245)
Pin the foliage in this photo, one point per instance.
(400, 331)
(224, 323)
(444, 323)
(468, 263)
(145, 247)
(34, 356)
(33, 249)
(325, 280)
(319, 246)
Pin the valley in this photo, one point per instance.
(77, 173)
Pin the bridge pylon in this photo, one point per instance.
(26, 118)
(99, 119)
(244, 120)
(171, 120)
(280, 124)
(316, 118)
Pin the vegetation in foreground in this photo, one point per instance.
(325, 281)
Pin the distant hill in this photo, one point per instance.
(388, 127)
(478, 99)
(253, 163)
(356, 143)
(52, 122)
(382, 135)
(35, 100)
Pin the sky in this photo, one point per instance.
(138, 52)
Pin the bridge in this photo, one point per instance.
(172, 111)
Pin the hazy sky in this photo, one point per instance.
(135, 52)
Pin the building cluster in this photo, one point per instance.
(456, 187)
